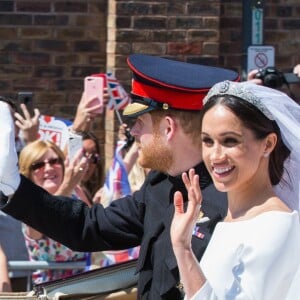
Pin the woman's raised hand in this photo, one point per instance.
(184, 221)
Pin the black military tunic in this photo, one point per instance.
(142, 219)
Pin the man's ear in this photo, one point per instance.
(170, 126)
(270, 143)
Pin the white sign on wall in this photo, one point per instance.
(54, 129)
(260, 57)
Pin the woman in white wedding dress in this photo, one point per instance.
(251, 145)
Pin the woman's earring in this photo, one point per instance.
(266, 154)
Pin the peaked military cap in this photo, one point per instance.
(160, 83)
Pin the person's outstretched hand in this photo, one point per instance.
(98, 197)
(75, 170)
(184, 222)
(9, 173)
(29, 125)
(251, 77)
(87, 110)
(296, 70)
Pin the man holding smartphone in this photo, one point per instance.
(166, 102)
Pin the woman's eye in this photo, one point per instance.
(230, 141)
(207, 141)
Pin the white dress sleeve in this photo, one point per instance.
(205, 292)
(252, 259)
(294, 290)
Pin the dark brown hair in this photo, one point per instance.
(97, 179)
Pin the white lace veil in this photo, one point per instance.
(277, 106)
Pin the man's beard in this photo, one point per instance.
(156, 156)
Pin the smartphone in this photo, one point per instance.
(93, 88)
(27, 99)
(74, 145)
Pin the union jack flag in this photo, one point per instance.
(116, 182)
(118, 96)
(198, 233)
(112, 257)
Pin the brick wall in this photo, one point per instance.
(49, 46)
(184, 30)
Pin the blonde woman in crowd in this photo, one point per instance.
(43, 163)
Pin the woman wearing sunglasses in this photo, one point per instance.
(44, 163)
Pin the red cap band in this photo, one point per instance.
(174, 98)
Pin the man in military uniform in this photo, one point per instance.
(166, 102)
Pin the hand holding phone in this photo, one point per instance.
(27, 99)
(93, 91)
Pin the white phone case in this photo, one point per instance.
(74, 144)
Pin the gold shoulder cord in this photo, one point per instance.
(200, 216)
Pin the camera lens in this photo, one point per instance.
(271, 77)
(272, 81)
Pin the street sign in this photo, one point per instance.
(257, 26)
(260, 57)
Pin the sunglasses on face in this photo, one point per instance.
(41, 164)
(93, 158)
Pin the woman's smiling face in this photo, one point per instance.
(231, 152)
(49, 176)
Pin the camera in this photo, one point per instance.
(273, 78)
(129, 138)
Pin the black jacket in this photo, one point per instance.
(141, 219)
